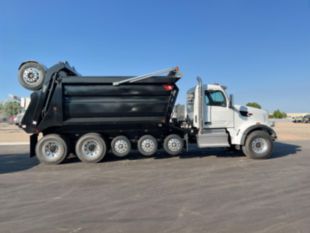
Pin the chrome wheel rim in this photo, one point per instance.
(259, 145)
(52, 150)
(121, 146)
(174, 144)
(91, 149)
(148, 145)
(31, 75)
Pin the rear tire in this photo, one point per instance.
(90, 148)
(173, 144)
(51, 149)
(120, 146)
(258, 145)
(31, 75)
(147, 145)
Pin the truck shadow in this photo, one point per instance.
(19, 162)
(16, 162)
(280, 149)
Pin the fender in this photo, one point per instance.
(26, 62)
(266, 128)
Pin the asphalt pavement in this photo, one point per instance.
(198, 191)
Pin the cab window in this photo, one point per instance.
(215, 98)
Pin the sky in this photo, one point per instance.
(259, 49)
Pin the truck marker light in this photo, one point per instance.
(168, 87)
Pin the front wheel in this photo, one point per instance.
(258, 145)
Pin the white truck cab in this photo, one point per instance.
(220, 123)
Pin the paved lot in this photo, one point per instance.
(206, 191)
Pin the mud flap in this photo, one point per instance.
(33, 143)
(186, 142)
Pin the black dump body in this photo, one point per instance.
(70, 103)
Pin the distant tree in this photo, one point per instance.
(1, 107)
(254, 105)
(11, 108)
(278, 114)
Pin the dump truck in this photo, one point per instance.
(91, 115)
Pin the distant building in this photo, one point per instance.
(296, 114)
(24, 102)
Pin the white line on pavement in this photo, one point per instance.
(13, 143)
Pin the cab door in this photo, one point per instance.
(217, 111)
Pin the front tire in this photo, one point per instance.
(51, 149)
(90, 148)
(258, 145)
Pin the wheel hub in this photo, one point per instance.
(91, 148)
(148, 145)
(31, 75)
(121, 146)
(174, 144)
(51, 149)
(259, 145)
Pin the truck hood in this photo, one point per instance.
(254, 114)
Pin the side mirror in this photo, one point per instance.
(231, 101)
